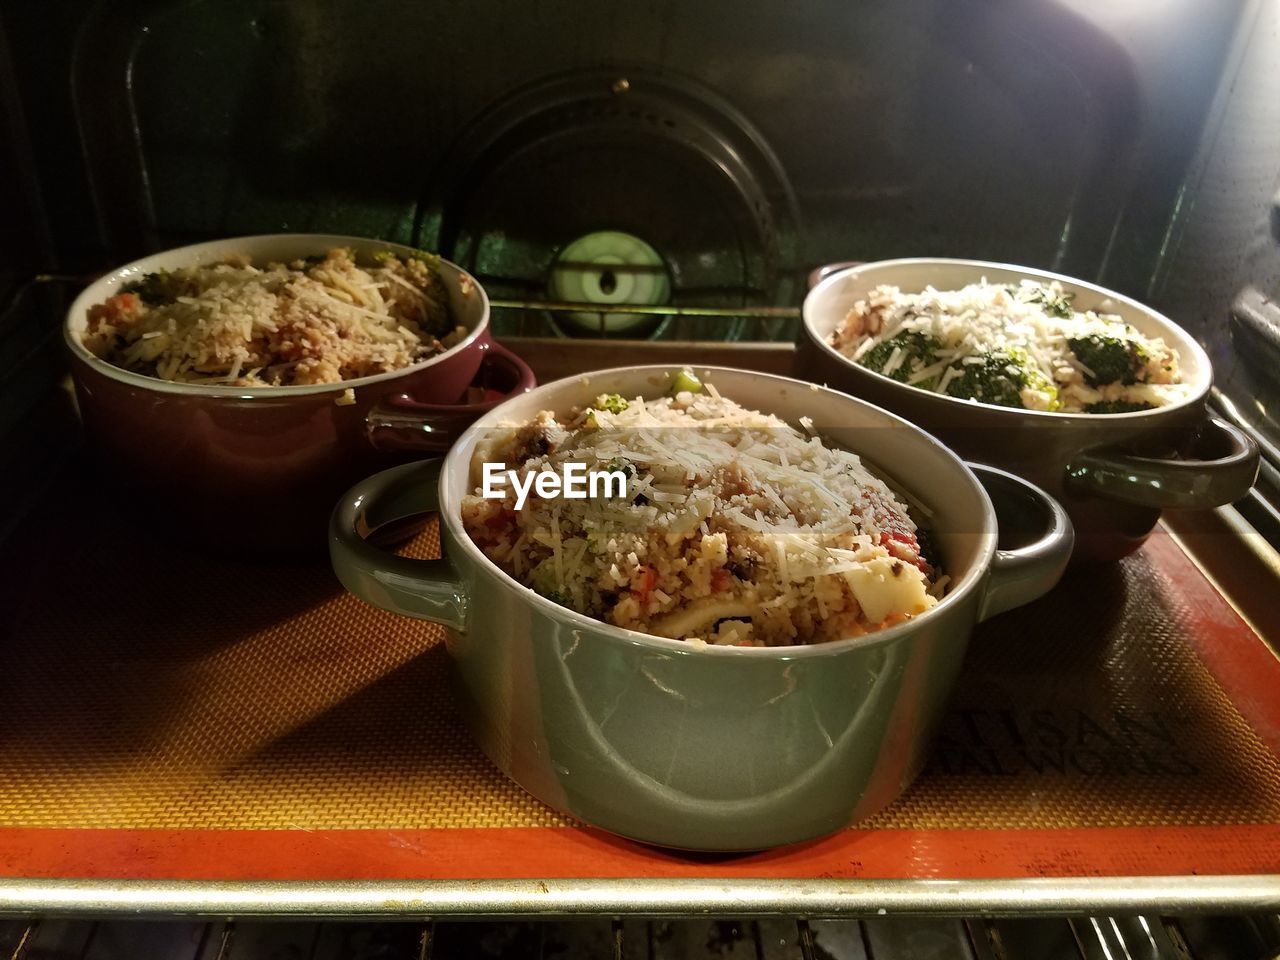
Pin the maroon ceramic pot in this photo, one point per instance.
(263, 466)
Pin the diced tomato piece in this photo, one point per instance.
(118, 311)
(888, 537)
(643, 583)
(906, 547)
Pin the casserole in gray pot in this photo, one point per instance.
(1114, 473)
(689, 745)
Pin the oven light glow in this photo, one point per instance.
(1145, 14)
(1121, 9)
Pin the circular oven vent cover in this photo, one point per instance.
(608, 267)
(618, 187)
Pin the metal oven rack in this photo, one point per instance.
(1138, 937)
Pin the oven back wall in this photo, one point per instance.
(1055, 134)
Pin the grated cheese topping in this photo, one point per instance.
(1032, 325)
(735, 527)
(321, 320)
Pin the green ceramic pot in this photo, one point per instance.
(708, 748)
(1114, 473)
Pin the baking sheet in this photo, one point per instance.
(178, 713)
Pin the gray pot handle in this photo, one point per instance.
(1224, 475)
(425, 589)
(1029, 571)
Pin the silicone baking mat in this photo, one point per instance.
(167, 712)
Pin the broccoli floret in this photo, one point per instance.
(623, 464)
(1109, 359)
(432, 260)
(1038, 381)
(613, 402)
(1000, 378)
(629, 470)
(1056, 305)
(1118, 406)
(920, 349)
(544, 581)
(555, 596)
(686, 382)
(383, 257)
(154, 288)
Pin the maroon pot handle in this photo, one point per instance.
(818, 274)
(399, 422)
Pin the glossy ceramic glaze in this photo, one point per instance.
(1113, 473)
(202, 455)
(711, 748)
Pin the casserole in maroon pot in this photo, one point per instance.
(264, 464)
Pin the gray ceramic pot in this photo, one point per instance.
(709, 748)
(1114, 473)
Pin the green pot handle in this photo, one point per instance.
(1031, 569)
(425, 589)
(1221, 470)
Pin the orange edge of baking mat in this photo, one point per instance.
(1244, 666)
(1247, 669)
(550, 853)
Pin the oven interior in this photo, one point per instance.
(683, 169)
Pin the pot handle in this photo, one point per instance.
(818, 274)
(1222, 469)
(425, 589)
(1027, 572)
(399, 422)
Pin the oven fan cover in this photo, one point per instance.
(617, 187)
